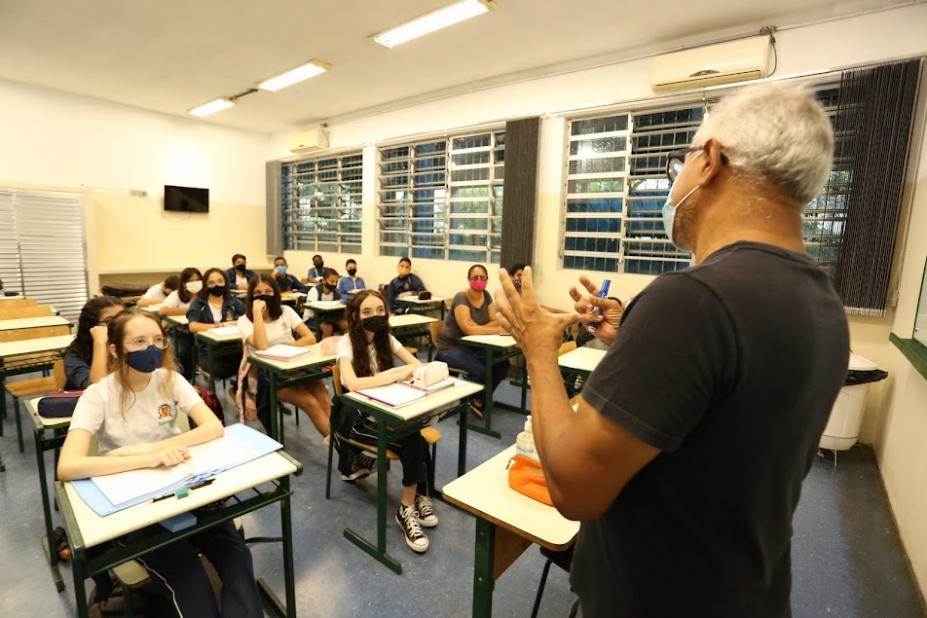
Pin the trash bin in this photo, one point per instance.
(846, 416)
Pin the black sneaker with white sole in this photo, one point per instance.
(361, 467)
(426, 511)
(407, 518)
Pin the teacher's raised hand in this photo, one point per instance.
(538, 331)
(609, 311)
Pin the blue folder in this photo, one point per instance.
(91, 494)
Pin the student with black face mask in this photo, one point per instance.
(327, 289)
(352, 281)
(315, 273)
(267, 323)
(365, 358)
(214, 306)
(239, 275)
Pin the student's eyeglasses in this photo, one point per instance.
(479, 278)
(676, 160)
(140, 343)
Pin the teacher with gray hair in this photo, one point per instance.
(685, 457)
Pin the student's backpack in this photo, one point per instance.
(210, 399)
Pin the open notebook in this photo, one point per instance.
(114, 492)
(402, 393)
(283, 351)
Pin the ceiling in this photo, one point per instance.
(171, 55)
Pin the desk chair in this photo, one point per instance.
(33, 387)
(562, 559)
(432, 437)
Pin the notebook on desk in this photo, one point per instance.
(402, 393)
(283, 351)
(115, 492)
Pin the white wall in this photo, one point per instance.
(56, 140)
(896, 418)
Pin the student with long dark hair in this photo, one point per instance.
(268, 322)
(132, 413)
(86, 360)
(365, 358)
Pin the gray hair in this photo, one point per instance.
(774, 132)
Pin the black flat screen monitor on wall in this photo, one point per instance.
(185, 199)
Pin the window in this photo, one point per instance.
(42, 248)
(442, 198)
(616, 187)
(321, 202)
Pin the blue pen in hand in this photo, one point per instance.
(603, 293)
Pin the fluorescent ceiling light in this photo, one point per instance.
(310, 69)
(436, 20)
(211, 108)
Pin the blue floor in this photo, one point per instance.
(847, 557)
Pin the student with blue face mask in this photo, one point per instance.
(285, 281)
(132, 413)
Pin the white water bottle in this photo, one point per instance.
(524, 442)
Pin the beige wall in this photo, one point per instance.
(134, 234)
(57, 141)
(901, 427)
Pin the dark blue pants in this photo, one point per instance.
(178, 575)
(474, 363)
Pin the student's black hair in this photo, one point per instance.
(406, 260)
(328, 272)
(82, 346)
(516, 267)
(474, 267)
(350, 261)
(238, 255)
(317, 256)
(274, 308)
(383, 350)
(185, 275)
(172, 282)
(204, 293)
(280, 257)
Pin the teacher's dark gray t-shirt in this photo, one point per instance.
(730, 369)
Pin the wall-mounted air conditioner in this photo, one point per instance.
(309, 141)
(734, 61)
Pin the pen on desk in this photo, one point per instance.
(191, 487)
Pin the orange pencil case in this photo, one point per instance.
(527, 478)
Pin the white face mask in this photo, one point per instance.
(194, 287)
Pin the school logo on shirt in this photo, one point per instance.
(165, 414)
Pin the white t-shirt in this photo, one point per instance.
(240, 281)
(344, 350)
(173, 301)
(155, 292)
(313, 295)
(150, 417)
(278, 331)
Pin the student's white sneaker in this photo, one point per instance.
(426, 511)
(407, 519)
